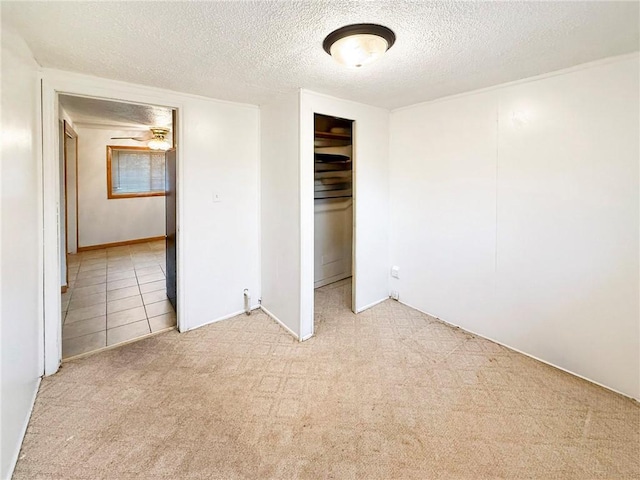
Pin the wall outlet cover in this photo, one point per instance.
(394, 295)
(395, 271)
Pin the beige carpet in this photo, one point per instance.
(390, 393)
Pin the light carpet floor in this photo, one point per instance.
(387, 394)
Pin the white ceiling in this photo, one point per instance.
(249, 51)
(94, 111)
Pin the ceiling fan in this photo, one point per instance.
(157, 140)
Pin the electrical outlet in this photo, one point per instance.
(216, 197)
(395, 271)
(394, 295)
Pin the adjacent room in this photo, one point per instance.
(301, 240)
(114, 279)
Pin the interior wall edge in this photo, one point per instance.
(280, 209)
(371, 305)
(281, 323)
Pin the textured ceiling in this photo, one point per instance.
(104, 112)
(249, 51)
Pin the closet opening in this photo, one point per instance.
(333, 214)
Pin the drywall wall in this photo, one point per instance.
(21, 352)
(515, 215)
(218, 238)
(333, 240)
(370, 204)
(102, 220)
(280, 210)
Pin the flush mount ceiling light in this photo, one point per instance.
(359, 44)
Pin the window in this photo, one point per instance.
(134, 172)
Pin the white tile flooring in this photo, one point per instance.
(115, 295)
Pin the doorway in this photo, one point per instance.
(121, 280)
(68, 199)
(333, 215)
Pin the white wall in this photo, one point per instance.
(371, 199)
(515, 215)
(220, 244)
(333, 240)
(21, 352)
(103, 220)
(280, 210)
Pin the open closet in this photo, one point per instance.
(333, 199)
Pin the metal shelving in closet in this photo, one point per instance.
(333, 163)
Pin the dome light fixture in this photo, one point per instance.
(359, 44)
(159, 141)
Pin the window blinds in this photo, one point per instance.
(137, 172)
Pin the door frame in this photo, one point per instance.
(308, 109)
(52, 84)
(69, 132)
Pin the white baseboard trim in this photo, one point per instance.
(330, 280)
(281, 323)
(226, 317)
(377, 302)
(523, 353)
(14, 457)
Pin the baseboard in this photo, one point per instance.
(294, 334)
(220, 319)
(14, 457)
(330, 280)
(377, 302)
(523, 353)
(120, 244)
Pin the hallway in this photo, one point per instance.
(115, 295)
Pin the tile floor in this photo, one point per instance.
(115, 295)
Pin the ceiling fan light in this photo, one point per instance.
(158, 144)
(359, 44)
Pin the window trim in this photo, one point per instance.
(110, 194)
